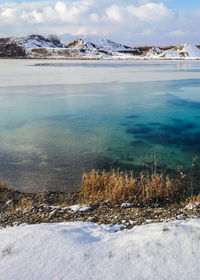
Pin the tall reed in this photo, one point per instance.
(118, 187)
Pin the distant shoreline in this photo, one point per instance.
(102, 59)
(37, 46)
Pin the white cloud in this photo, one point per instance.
(150, 12)
(94, 17)
(177, 33)
(114, 13)
(6, 13)
(132, 21)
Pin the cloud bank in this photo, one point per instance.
(133, 22)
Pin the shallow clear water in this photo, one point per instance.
(50, 133)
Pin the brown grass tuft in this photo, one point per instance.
(195, 198)
(118, 187)
(25, 204)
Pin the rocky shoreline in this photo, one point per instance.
(49, 207)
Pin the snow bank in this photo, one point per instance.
(84, 251)
(186, 51)
(189, 50)
(76, 208)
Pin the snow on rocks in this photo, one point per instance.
(192, 205)
(89, 251)
(126, 205)
(75, 208)
(8, 202)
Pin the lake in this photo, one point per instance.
(60, 118)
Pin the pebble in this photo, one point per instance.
(54, 207)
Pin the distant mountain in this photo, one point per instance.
(37, 46)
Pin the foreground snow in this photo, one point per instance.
(84, 251)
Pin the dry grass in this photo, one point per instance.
(41, 51)
(195, 198)
(4, 186)
(25, 204)
(118, 187)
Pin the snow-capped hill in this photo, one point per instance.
(184, 51)
(189, 50)
(102, 48)
(85, 49)
(109, 45)
(37, 41)
(25, 46)
(81, 45)
(154, 51)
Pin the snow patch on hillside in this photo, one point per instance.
(83, 251)
(108, 45)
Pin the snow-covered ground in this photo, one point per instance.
(83, 251)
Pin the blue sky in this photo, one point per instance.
(173, 4)
(134, 22)
(183, 4)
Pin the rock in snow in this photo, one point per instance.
(83, 251)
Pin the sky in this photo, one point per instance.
(132, 22)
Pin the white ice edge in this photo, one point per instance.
(24, 73)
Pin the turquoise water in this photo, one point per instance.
(51, 134)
